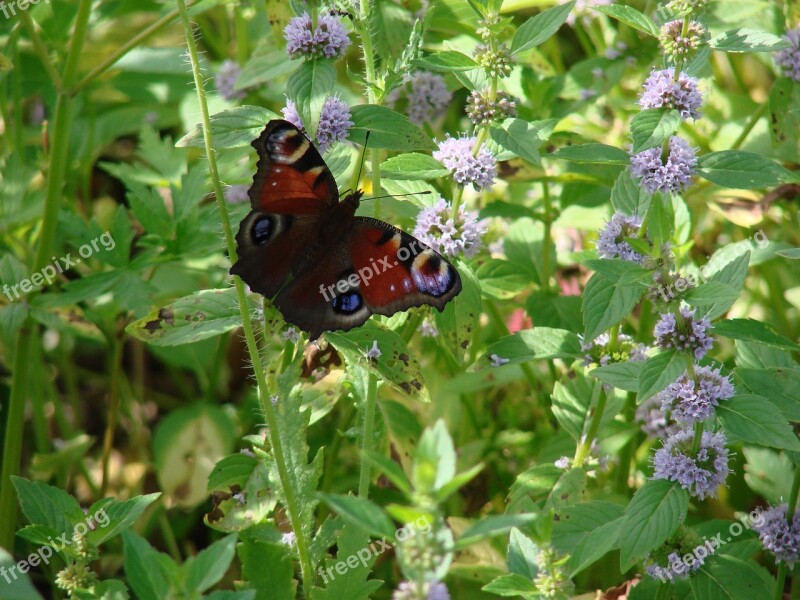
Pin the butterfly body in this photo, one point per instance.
(322, 266)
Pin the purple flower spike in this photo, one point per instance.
(456, 154)
(662, 91)
(670, 175)
(700, 475)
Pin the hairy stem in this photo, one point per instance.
(368, 435)
(287, 482)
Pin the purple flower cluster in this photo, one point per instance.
(788, 59)
(334, 121)
(598, 351)
(429, 97)
(671, 175)
(700, 475)
(328, 39)
(225, 81)
(437, 228)
(411, 590)
(691, 400)
(456, 155)
(778, 536)
(611, 241)
(661, 90)
(675, 567)
(689, 336)
(654, 421)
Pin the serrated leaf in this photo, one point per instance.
(512, 585)
(362, 513)
(623, 375)
(650, 128)
(780, 384)
(606, 301)
(654, 513)
(231, 128)
(413, 166)
(753, 331)
(308, 87)
(741, 170)
(267, 567)
(493, 525)
(537, 343)
(209, 565)
(446, 61)
(630, 16)
(747, 40)
(539, 28)
(755, 420)
(204, 314)
(523, 138)
(658, 372)
(388, 129)
(725, 577)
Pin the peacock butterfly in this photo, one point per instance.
(323, 267)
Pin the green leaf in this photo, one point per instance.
(755, 420)
(522, 554)
(268, 568)
(628, 197)
(539, 28)
(393, 471)
(512, 585)
(458, 481)
(248, 479)
(388, 129)
(623, 375)
(448, 61)
(650, 128)
(434, 464)
(733, 275)
(549, 309)
(741, 170)
(396, 364)
(118, 516)
(493, 525)
(659, 371)
(630, 16)
(608, 300)
(412, 166)
(209, 565)
(587, 532)
(308, 87)
(753, 331)
(780, 385)
(46, 505)
(654, 513)
(151, 574)
(567, 490)
(747, 40)
(458, 322)
(535, 344)
(713, 293)
(593, 154)
(362, 513)
(186, 445)
(570, 401)
(352, 543)
(18, 587)
(500, 279)
(201, 315)
(523, 138)
(231, 128)
(725, 577)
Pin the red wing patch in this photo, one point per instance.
(291, 177)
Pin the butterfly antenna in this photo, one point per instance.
(397, 195)
(363, 158)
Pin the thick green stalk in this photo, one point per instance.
(370, 74)
(598, 401)
(57, 167)
(368, 434)
(286, 480)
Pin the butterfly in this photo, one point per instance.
(324, 268)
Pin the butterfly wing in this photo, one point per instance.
(375, 269)
(292, 188)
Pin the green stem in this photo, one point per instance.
(754, 118)
(598, 401)
(12, 447)
(547, 220)
(368, 436)
(56, 171)
(286, 480)
(41, 50)
(791, 506)
(115, 365)
(370, 74)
